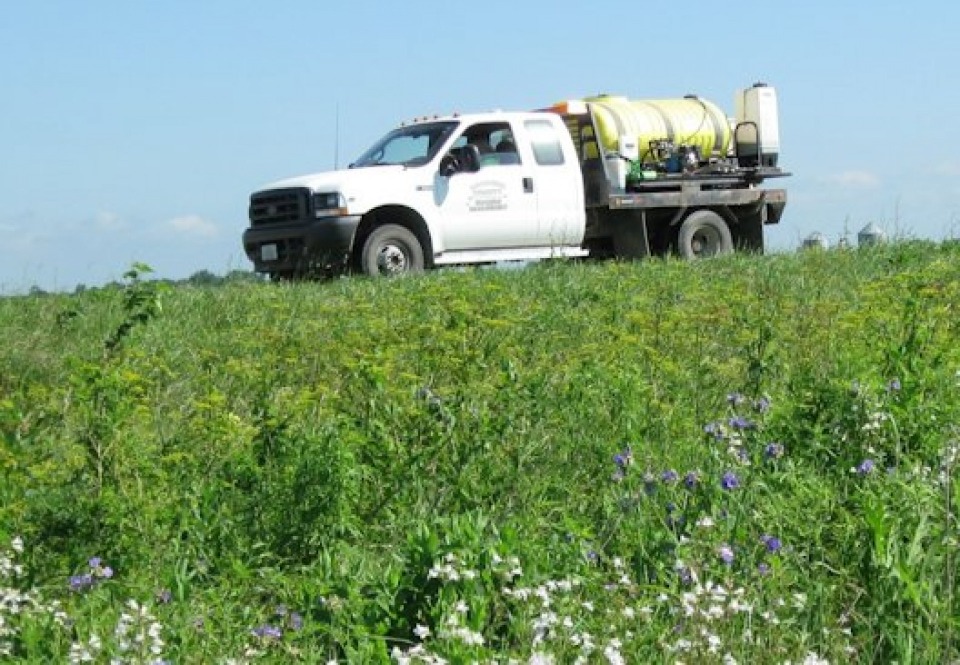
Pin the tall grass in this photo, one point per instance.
(747, 459)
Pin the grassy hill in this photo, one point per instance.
(747, 459)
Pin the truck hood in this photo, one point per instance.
(346, 181)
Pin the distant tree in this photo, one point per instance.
(242, 276)
(203, 278)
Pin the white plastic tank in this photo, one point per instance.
(618, 163)
(756, 108)
(871, 234)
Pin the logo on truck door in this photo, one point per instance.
(488, 195)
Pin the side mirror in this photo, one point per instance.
(449, 165)
(460, 160)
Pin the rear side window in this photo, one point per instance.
(545, 142)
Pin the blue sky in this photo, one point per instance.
(135, 131)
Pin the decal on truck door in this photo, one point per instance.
(487, 195)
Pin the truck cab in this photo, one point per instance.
(457, 189)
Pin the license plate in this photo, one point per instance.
(268, 253)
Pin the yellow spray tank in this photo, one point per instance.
(691, 122)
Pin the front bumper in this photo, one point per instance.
(302, 246)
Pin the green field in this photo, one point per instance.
(745, 459)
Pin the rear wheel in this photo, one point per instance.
(391, 250)
(704, 233)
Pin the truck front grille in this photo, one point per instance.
(277, 206)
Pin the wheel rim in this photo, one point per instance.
(706, 242)
(392, 260)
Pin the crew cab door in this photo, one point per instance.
(492, 204)
(557, 183)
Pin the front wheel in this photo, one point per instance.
(391, 250)
(702, 234)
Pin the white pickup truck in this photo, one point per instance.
(603, 177)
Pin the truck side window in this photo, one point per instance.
(494, 140)
(547, 149)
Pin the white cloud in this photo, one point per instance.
(863, 179)
(109, 221)
(948, 168)
(193, 225)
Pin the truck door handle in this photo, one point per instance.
(528, 185)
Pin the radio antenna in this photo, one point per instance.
(336, 141)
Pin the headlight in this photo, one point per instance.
(329, 204)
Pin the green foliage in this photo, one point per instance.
(747, 456)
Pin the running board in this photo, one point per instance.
(513, 254)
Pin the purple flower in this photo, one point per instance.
(715, 430)
(691, 479)
(773, 451)
(894, 385)
(98, 570)
(267, 632)
(729, 481)
(80, 583)
(772, 543)
(865, 467)
(763, 569)
(735, 399)
(164, 596)
(669, 476)
(761, 405)
(296, 621)
(726, 554)
(739, 422)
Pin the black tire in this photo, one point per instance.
(704, 233)
(391, 250)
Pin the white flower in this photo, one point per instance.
(714, 643)
(421, 631)
(612, 654)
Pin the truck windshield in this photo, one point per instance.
(412, 145)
